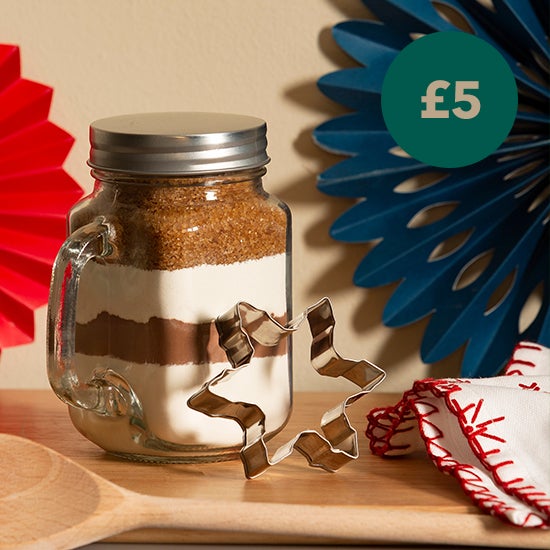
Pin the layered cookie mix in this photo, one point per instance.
(185, 251)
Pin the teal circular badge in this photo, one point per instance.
(449, 99)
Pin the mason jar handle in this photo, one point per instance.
(106, 392)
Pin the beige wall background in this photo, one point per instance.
(257, 57)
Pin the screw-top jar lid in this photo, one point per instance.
(177, 143)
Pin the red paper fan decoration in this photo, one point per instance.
(35, 195)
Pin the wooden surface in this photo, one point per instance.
(407, 489)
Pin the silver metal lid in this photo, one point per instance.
(177, 143)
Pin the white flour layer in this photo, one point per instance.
(164, 391)
(193, 295)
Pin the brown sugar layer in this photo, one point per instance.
(171, 225)
(159, 341)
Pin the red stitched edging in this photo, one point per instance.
(387, 422)
(527, 494)
(514, 366)
(466, 475)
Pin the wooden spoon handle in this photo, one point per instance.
(329, 523)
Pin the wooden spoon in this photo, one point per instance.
(49, 501)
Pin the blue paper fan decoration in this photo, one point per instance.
(469, 245)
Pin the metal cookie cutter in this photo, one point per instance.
(237, 329)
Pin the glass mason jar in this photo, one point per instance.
(177, 230)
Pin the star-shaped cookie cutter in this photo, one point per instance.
(245, 324)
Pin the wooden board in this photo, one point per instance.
(400, 485)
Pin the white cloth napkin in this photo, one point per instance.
(491, 434)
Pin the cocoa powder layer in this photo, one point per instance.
(159, 341)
